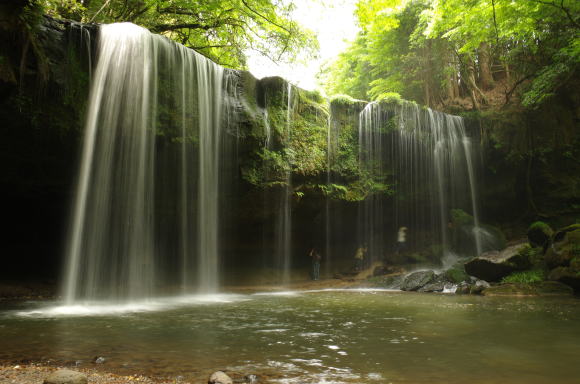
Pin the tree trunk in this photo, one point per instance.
(452, 79)
(506, 67)
(485, 75)
(474, 91)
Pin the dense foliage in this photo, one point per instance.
(438, 52)
(223, 30)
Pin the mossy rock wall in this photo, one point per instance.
(42, 101)
(531, 162)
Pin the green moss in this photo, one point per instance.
(459, 217)
(390, 97)
(343, 100)
(540, 225)
(457, 274)
(528, 257)
(529, 276)
(539, 233)
(539, 288)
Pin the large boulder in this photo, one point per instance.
(66, 376)
(417, 280)
(539, 234)
(438, 284)
(565, 247)
(493, 265)
(388, 282)
(566, 275)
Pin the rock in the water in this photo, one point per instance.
(220, 377)
(565, 247)
(539, 234)
(492, 266)
(99, 360)
(417, 280)
(252, 379)
(391, 282)
(66, 376)
(543, 288)
(474, 288)
(435, 286)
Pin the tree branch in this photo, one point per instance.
(563, 9)
(264, 17)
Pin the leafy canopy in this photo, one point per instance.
(423, 48)
(222, 30)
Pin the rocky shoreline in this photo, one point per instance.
(36, 373)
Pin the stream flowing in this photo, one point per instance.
(328, 336)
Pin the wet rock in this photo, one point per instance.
(543, 288)
(566, 275)
(463, 289)
(66, 376)
(539, 234)
(456, 274)
(478, 287)
(417, 280)
(388, 282)
(564, 248)
(220, 377)
(435, 286)
(99, 360)
(474, 287)
(492, 266)
(252, 379)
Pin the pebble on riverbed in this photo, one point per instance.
(220, 377)
(66, 376)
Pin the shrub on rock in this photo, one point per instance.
(539, 234)
(565, 247)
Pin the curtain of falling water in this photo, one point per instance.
(130, 204)
(209, 78)
(284, 225)
(426, 157)
(371, 228)
(110, 250)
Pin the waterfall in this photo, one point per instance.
(327, 210)
(209, 85)
(149, 98)
(425, 157)
(284, 224)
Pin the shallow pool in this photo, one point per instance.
(310, 337)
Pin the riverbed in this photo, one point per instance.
(317, 336)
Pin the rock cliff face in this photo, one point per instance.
(279, 130)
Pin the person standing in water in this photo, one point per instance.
(401, 240)
(316, 257)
